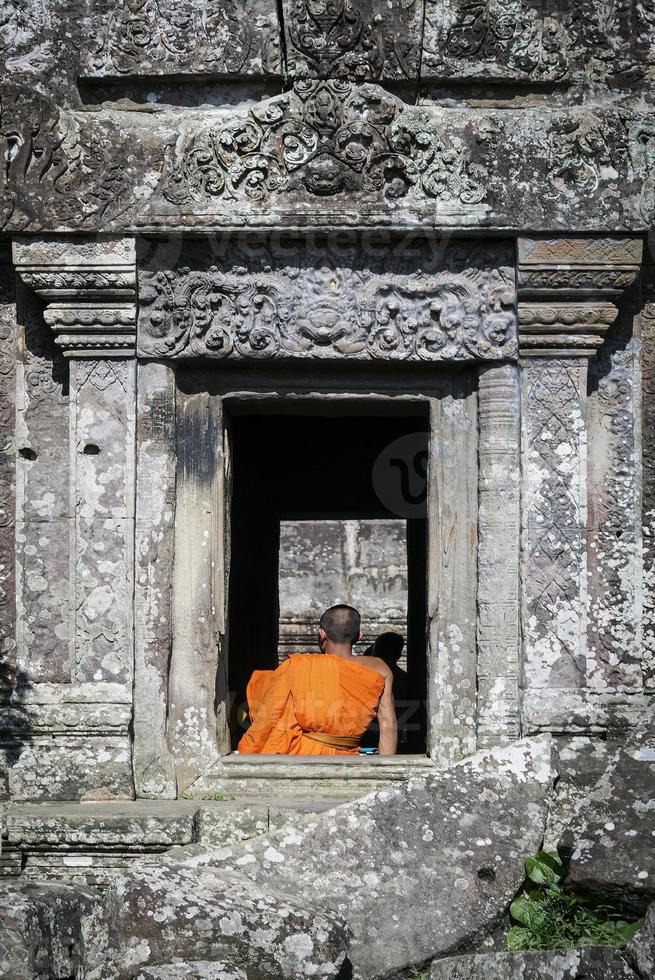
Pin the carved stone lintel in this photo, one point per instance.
(317, 301)
(89, 286)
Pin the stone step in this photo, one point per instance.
(310, 778)
(237, 799)
(94, 843)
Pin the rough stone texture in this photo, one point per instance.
(8, 341)
(306, 779)
(363, 41)
(640, 952)
(580, 762)
(452, 570)
(487, 118)
(103, 395)
(328, 152)
(52, 767)
(554, 473)
(200, 970)
(48, 930)
(579, 712)
(207, 913)
(586, 963)
(97, 843)
(537, 42)
(43, 501)
(197, 693)
(449, 846)
(154, 547)
(610, 838)
(648, 471)
(614, 642)
(590, 46)
(189, 37)
(126, 825)
(230, 823)
(364, 562)
(331, 300)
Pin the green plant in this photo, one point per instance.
(416, 974)
(550, 918)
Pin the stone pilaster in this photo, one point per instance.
(452, 570)
(7, 472)
(499, 496)
(567, 292)
(153, 600)
(87, 288)
(648, 458)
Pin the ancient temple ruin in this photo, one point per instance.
(242, 243)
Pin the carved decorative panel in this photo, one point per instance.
(332, 301)
(493, 39)
(366, 156)
(324, 139)
(614, 647)
(357, 39)
(554, 460)
(89, 285)
(159, 37)
(648, 463)
(7, 473)
(60, 170)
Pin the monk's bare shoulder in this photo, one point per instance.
(376, 664)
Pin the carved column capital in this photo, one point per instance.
(567, 289)
(563, 329)
(89, 285)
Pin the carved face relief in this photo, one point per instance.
(323, 139)
(324, 303)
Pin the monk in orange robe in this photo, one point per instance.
(322, 703)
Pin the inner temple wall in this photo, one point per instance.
(360, 562)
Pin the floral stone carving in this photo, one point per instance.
(353, 39)
(198, 36)
(493, 39)
(327, 302)
(323, 139)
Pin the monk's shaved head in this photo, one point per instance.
(341, 623)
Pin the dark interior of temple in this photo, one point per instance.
(303, 466)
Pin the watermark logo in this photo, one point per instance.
(400, 476)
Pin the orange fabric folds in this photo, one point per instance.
(310, 692)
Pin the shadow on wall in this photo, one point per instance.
(16, 721)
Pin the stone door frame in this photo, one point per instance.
(473, 519)
(488, 536)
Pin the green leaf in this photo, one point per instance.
(520, 909)
(545, 868)
(519, 938)
(528, 912)
(628, 929)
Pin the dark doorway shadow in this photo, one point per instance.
(294, 467)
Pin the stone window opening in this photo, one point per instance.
(327, 508)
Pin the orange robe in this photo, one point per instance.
(310, 692)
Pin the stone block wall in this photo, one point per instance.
(360, 562)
